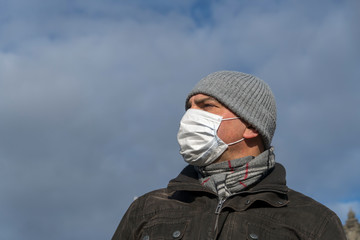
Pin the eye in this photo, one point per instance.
(209, 105)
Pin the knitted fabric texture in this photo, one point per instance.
(247, 96)
(231, 177)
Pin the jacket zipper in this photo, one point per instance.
(217, 213)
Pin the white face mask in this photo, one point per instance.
(198, 139)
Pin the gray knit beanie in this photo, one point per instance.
(247, 96)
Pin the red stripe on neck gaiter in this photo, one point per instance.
(205, 181)
(231, 168)
(246, 171)
(242, 184)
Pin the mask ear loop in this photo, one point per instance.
(229, 144)
(240, 140)
(224, 119)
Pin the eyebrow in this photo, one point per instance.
(200, 101)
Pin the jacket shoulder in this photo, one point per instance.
(149, 199)
(137, 215)
(306, 203)
(315, 217)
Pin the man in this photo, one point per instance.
(232, 187)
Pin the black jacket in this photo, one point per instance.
(268, 210)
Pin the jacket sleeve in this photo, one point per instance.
(129, 224)
(333, 229)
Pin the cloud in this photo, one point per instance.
(91, 96)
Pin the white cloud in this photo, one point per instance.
(91, 95)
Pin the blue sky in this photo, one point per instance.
(92, 92)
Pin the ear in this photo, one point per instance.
(250, 132)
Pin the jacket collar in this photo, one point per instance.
(271, 189)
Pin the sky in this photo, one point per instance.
(92, 92)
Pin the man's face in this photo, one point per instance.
(229, 131)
